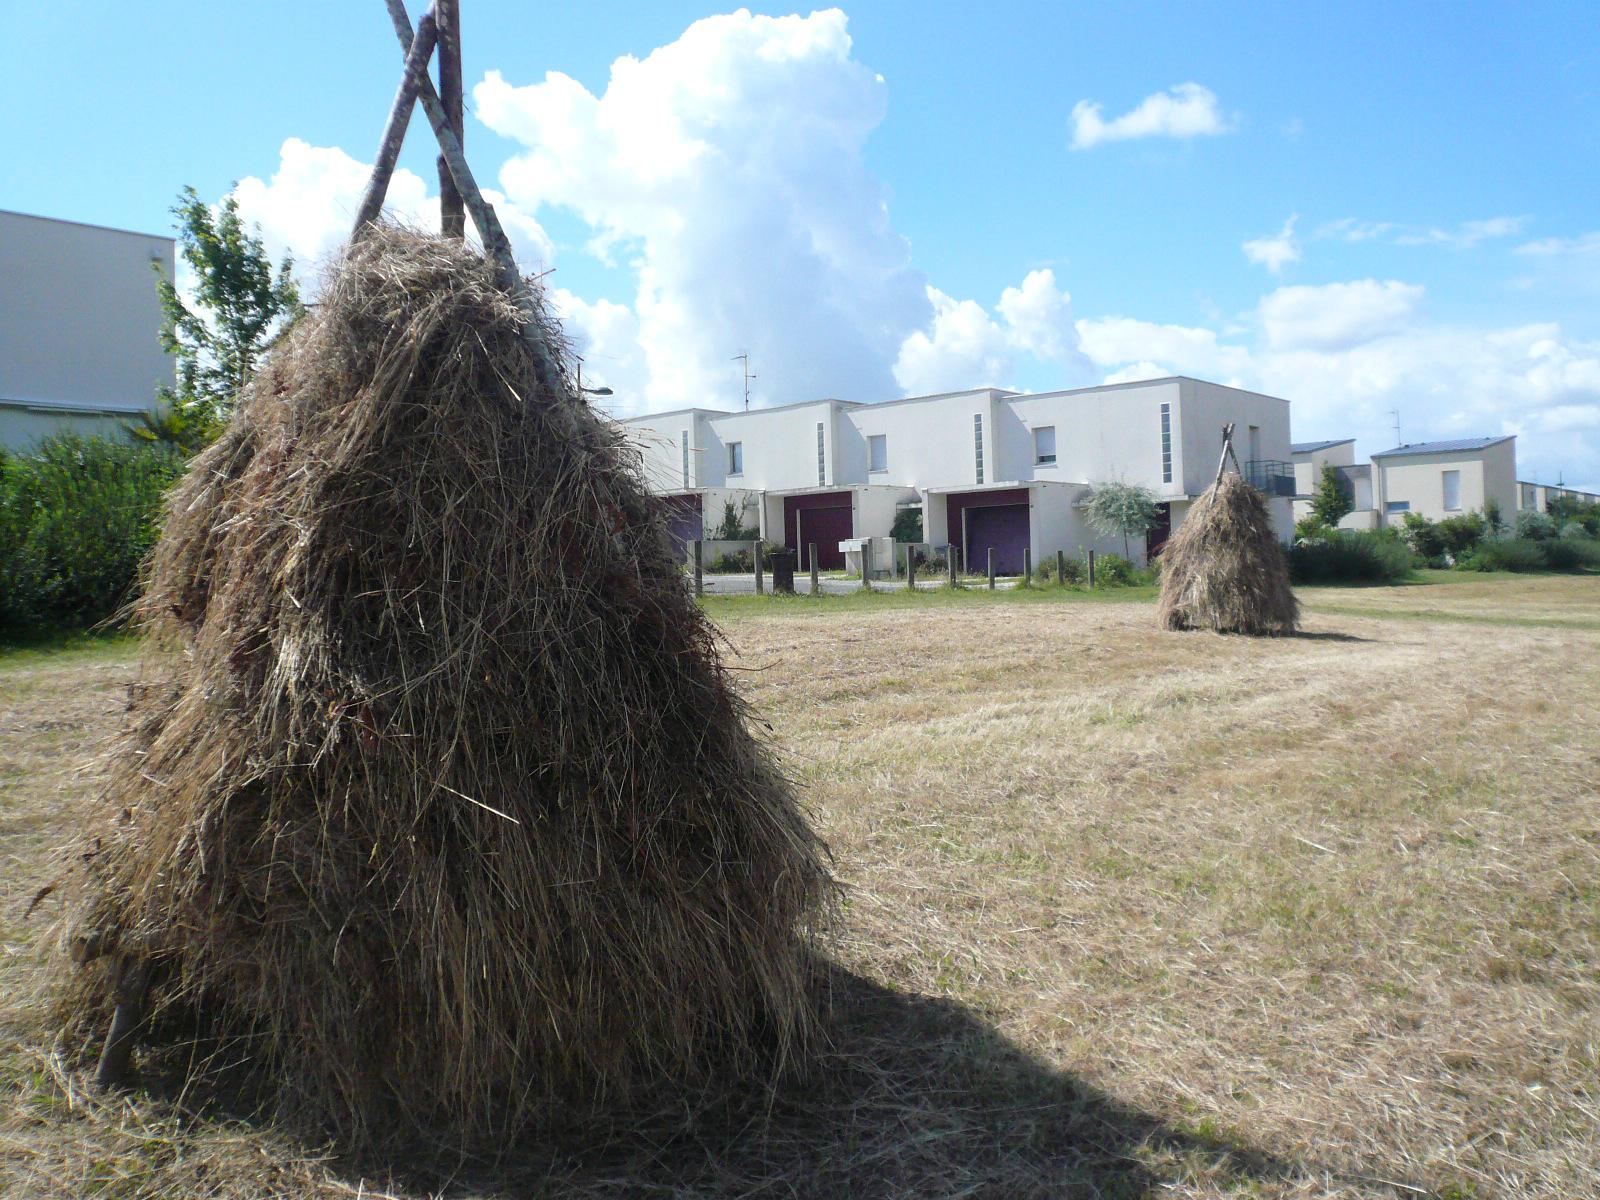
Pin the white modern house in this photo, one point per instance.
(987, 468)
(1537, 496)
(1313, 459)
(1446, 479)
(79, 327)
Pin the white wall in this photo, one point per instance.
(1418, 479)
(79, 321)
(780, 446)
(658, 440)
(875, 509)
(928, 440)
(1102, 435)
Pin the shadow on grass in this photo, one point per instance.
(917, 1097)
(1326, 635)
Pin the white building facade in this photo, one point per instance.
(80, 323)
(1446, 479)
(986, 468)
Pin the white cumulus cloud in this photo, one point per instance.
(726, 170)
(1186, 111)
(1277, 250)
(1336, 316)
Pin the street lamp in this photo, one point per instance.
(599, 391)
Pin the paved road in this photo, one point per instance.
(745, 585)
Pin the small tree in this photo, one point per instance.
(240, 306)
(1128, 509)
(733, 528)
(907, 525)
(1492, 517)
(1332, 502)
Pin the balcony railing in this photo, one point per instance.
(1270, 475)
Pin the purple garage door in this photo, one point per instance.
(821, 519)
(1003, 526)
(683, 521)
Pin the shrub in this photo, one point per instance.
(1575, 529)
(1534, 526)
(1112, 570)
(1071, 568)
(1309, 527)
(76, 518)
(1350, 556)
(1508, 554)
(1571, 553)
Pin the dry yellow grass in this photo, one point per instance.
(1131, 913)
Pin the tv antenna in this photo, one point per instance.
(1395, 413)
(745, 359)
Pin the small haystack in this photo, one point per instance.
(435, 802)
(1224, 568)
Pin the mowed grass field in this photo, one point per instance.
(1128, 913)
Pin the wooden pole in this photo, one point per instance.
(1061, 567)
(866, 565)
(1027, 566)
(495, 243)
(699, 568)
(816, 580)
(991, 568)
(132, 977)
(394, 129)
(1091, 569)
(950, 565)
(911, 568)
(755, 559)
(447, 15)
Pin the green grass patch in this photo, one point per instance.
(64, 649)
(721, 608)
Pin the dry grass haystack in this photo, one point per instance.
(435, 801)
(1224, 569)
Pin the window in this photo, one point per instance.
(977, 443)
(1044, 445)
(822, 462)
(1452, 490)
(684, 442)
(878, 452)
(1397, 506)
(1166, 443)
(735, 458)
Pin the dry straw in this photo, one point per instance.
(1224, 568)
(435, 802)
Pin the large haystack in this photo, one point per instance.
(435, 801)
(1224, 569)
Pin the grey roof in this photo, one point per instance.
(1451, 446)
(1313, 447)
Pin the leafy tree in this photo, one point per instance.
(733, 528)
(1128, 509)
(1492, 517)
(240, 306)
(1332, 502)
(907, 525)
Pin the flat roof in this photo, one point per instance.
(11, 212)
(1313, 447)
(1449, 446)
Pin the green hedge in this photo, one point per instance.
(1529, 554)
(76, 518)
(1350, 556)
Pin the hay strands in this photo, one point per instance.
(438, 27)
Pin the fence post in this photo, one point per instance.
(1061, 567)
(950, 565)
(911, 567)
(756, 560)
(811, 556)
(866, 565)
(1091, 568)
(991, 568)
(699, 572)
(1027, 566)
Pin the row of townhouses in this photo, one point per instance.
(1433, 479)
(985, 468)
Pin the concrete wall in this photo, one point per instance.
(1418, 480)
(658, 440)
(1102, 434)
(79, 323)
(779, 447)
(928, 440)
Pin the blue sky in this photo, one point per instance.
(891, 199)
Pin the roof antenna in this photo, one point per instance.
(745, 359)
(1395, 413)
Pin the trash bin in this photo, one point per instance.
(782, 563)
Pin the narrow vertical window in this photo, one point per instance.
(735, 458)
(1166, 443)
(684, 442)
(1452, 490)
(977, 444)
(878, 452)
(822, 462)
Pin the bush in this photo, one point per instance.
(1112, 570)
(1571, 553)
(1350, 556)
(1072, 568)
(1439, 543)
(1534, 526)
(76, 519)
(1508, 554)
(1310, 527)
(1575, 529)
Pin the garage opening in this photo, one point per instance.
(981, 520)
(822, 520)
(684, 522)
